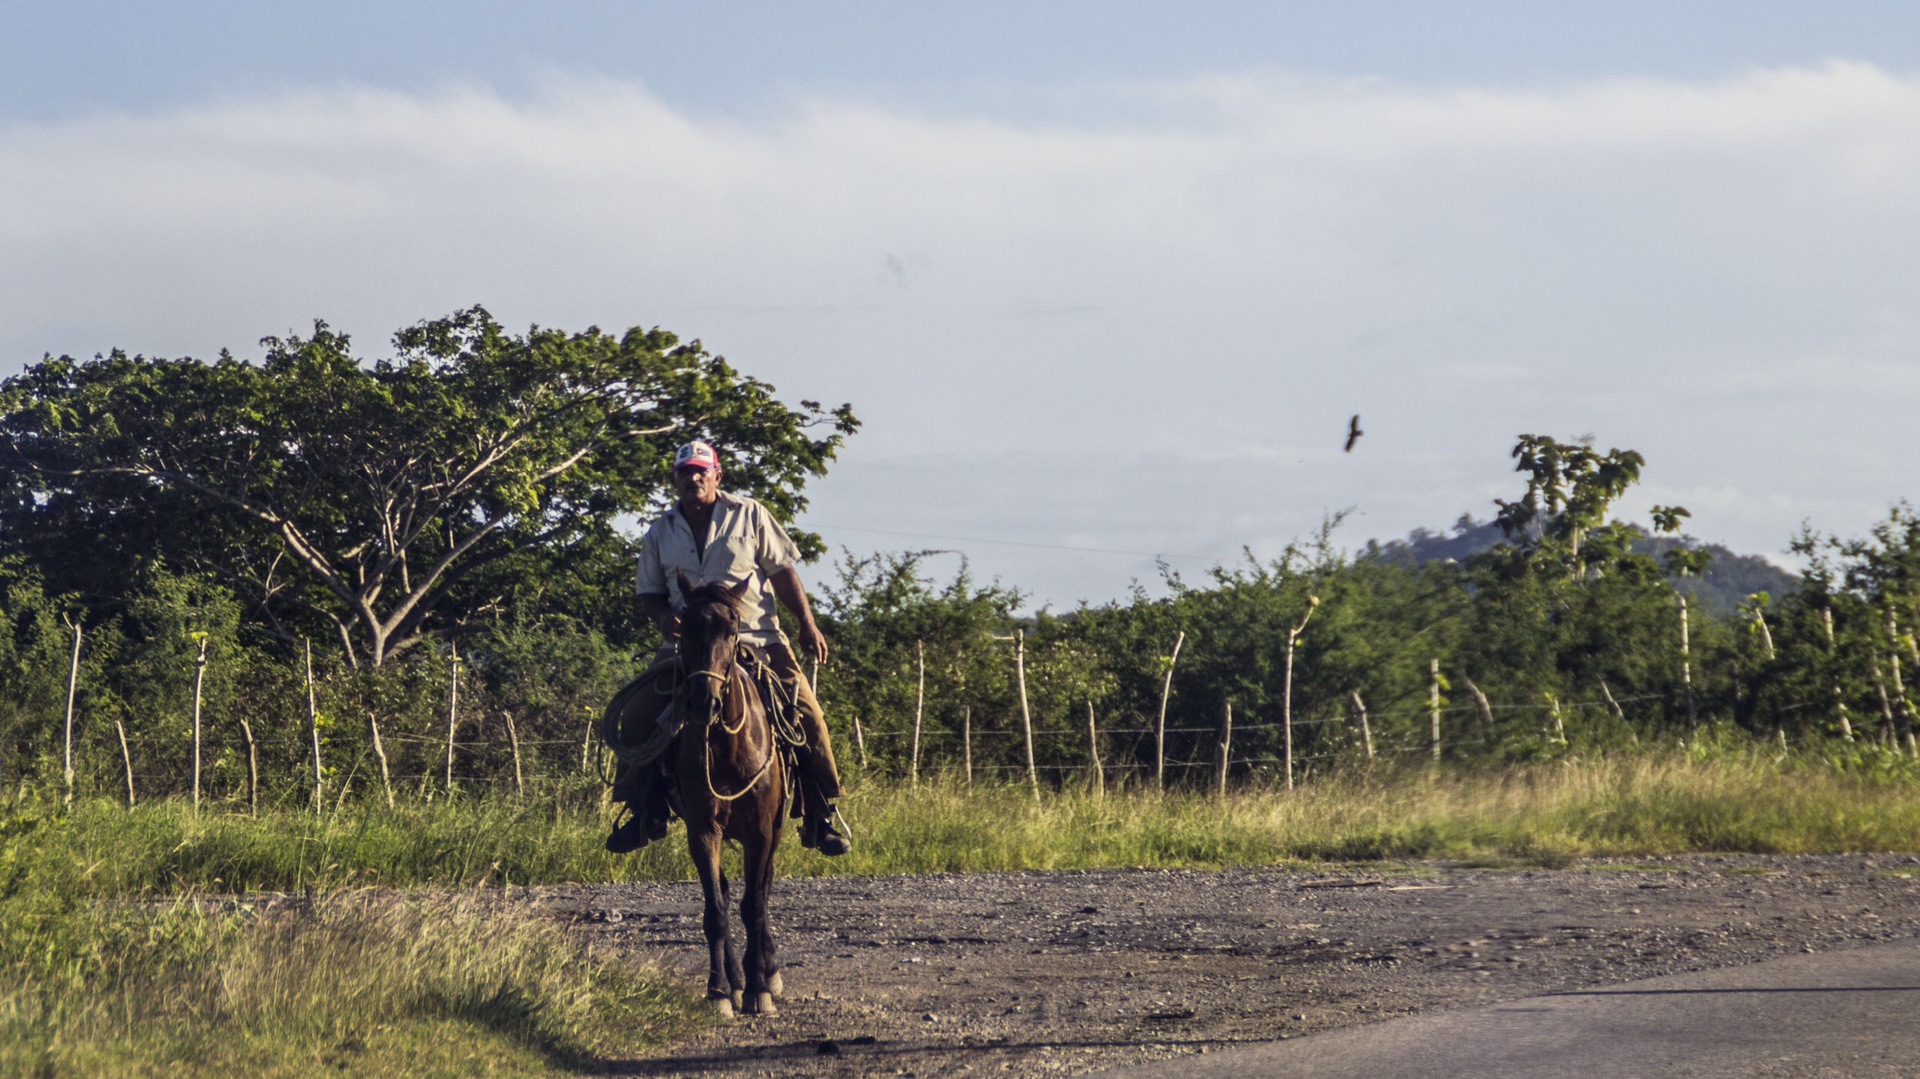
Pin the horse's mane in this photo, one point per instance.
(718, 593)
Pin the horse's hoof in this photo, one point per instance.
(723, 1007)
(776, 986)
(739, 1001)
(763, 1005)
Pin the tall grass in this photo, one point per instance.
(1542, 814)
(1735, 797)
(359, 982)
(109, 964)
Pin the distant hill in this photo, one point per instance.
(1731, 578)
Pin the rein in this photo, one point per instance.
(716, 717)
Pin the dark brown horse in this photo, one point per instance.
(732, 785)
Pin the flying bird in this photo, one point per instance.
(1353, 432)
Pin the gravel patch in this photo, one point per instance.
(1038, 973)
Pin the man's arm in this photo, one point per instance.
(657, 607)
(793, 596)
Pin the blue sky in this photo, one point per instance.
(1104, 280)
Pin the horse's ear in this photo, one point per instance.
(686, 586)
(739, 590)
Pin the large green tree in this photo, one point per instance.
(381, 502)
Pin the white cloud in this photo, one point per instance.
(1126, 278)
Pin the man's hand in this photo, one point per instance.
(663, 614)
(812, 643)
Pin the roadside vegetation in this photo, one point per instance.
(341, 629)
(1720, 794)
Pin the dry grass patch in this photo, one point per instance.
(363, 983)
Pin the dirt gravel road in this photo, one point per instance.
(1067, 972)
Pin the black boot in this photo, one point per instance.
(630, 835)
(818, 832)
(646, 819)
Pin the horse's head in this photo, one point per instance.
(710, 629)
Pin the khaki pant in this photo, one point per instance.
(820, 777)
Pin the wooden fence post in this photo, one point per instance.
(1686, 660)
(1893, 666)
(1366, 731)
(1026, 714)
(453, 710)
(513, 741)
(199, 679)
(1839, 699)
(1889, 734)
(380, 752)
(1612, 705)
(1286, 692)
(966, 740)
(1160, 729)
(1093, 754)
(1486, 708)
(919, 708)
(859, 732)
(313, 725)
(1433, 700)
(73, 684)
(126, 757)
(253, 768)
(1223, 754)
(1766, 634)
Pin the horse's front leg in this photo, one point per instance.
(763, 965)
(724, 977)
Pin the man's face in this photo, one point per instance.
(696, 486)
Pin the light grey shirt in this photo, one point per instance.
(743, 543)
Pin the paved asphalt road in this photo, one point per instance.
(1843, 1013)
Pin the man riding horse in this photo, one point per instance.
(710, 535)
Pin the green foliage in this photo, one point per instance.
(377, 505)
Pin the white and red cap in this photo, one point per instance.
(695, 455)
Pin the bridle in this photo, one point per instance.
(716, 716)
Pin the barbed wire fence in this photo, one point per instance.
(482, 751)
